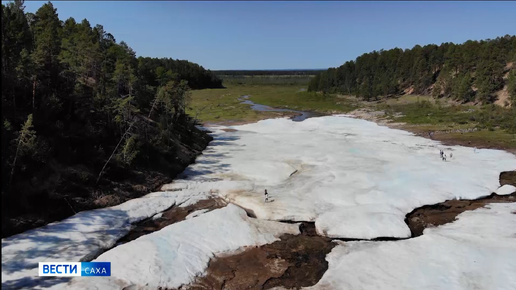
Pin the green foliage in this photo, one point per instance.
(462, 90)
(130, 150)
(485, 117)
(7, 126)
(280, 80)
(451, 69)
(489, 79)
(223, 105)
(174, 96)
(26, 141)
(124, 110)
(47, 46)
(90, 97)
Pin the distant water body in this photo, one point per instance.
(300, 115)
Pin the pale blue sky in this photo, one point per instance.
(286, 35)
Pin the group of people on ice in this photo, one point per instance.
(443, 155)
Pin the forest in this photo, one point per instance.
(470, 72)
(82, 116)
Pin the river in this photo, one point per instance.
(298, 117)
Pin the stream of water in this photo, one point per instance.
(300, 115)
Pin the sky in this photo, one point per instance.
(286, 35)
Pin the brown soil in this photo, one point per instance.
(508, 177)
(294, 261)
(170, 216)
(446, 212)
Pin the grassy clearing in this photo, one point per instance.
(412, 99)
(218, 105)
(222, 105)
(428, 113)
(484, 139)
(282, 80)
(495, 127)
(454, 116)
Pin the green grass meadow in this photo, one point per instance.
(495, 126)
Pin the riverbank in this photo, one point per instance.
(449, 136)
(72, 189)
(181, 234)
(442, 119)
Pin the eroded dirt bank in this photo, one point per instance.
(445, 212)
(299, 261)
(508, 177)
(293, 262)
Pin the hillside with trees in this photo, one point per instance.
(86, 123)
(473, 71)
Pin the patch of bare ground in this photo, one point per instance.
(378, 117)
(446, 212)
(294, 261)
(503, 98)
(297, 261)
(508, 177)
(170, 216)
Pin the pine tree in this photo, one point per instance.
(26, 143)
(47, 46)
(462, 90)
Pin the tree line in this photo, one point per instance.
(471, 71)
(73, 97)
(278, 72)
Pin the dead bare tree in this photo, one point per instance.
(123, 137)
(114, 150)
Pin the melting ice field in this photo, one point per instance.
(355, 179)
(478, 251)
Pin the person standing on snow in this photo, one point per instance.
(266, 196)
